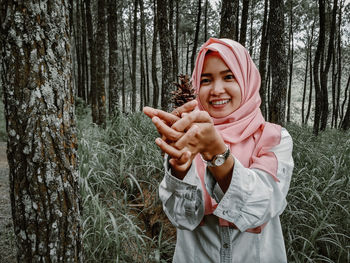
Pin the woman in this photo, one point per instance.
(227, 169)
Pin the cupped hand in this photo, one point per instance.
(205, 140)
(163, 120)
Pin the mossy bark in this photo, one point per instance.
(42, 142)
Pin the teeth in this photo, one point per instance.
(220, 102)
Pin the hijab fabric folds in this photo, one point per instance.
(249, 137)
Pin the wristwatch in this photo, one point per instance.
(218, 159)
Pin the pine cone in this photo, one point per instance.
(184, 92)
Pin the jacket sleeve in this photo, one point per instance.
(182, 199)
(253, 197)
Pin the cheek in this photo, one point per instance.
(203, 96)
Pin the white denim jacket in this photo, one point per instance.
(252, 199)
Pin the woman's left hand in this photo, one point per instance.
(200, 137)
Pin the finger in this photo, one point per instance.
(180, 167)
(187, 107)
(170, 150)
(165, 130)
(169, 118)
(188, 138)
(188, 119)
(149, 111)
(183, 159)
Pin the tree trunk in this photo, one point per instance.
(316, 69)
(346, 121)
(93, 72)
(324, 73)
(42, 142)
(84, 52)
(195, 43)
(133, 56)
(206, 21)
(154, 58)
(171, 34)
(339, 60)
(277, 58)
(310, 73)
(244, 21)
(101, 65)
(305, 81)
(165, 50)
(228, 19)
(176, 60)
(263, 60)
(113, 58)
(290, 60)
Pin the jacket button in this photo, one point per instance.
(225, 245)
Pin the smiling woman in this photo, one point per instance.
(219, 92)
(227, 169)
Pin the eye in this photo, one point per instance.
(205, 81)
(229, 76)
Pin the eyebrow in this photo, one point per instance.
(221, 73)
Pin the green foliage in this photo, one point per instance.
(316, 221)
(115, 163)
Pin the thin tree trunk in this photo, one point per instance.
(324, 73)
(101, 65)
(263, 60)
(305, 82)
(154, 58)
(113, 58)
(42, 141)
(290, 59)
(339, 59)
(176, 60)
(165, 50)
(84, 53)
(252, 17)
(228, 19)
(277, 58)
(346, 121)
(310, 73)
(243, 32)
(171, 33)
(206, 21)
(316, 68)
(195, 43)
(133, 56)
(93, 72)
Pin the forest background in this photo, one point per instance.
(75, 77)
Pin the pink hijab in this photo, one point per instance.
(248, 135)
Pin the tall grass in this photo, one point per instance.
(117, 165)
(121, 166)
(316, 221)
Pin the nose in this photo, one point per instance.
(217, 88)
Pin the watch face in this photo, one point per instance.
(219, 160)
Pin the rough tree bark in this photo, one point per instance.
(244, 21)
(165, 50)
(263, 59)
(277, 58)
(101, 65)
(228, 19)
(40, 121)
(324, 72)
(154, 58)
(195, 42)
(93, 73)
(133, 34)
(113, 58)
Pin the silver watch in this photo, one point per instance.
(218, 159)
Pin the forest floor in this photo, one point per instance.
(7, 248)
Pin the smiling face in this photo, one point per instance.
(219, 92)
